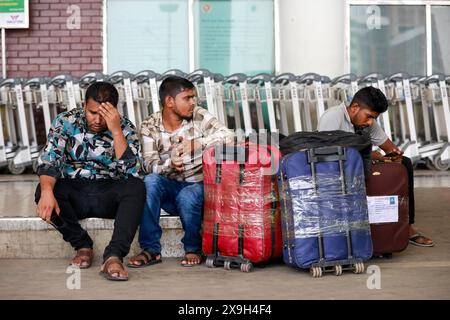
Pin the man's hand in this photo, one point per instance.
(389, 158)
(176, 157)
(47, 203)
(111, 116)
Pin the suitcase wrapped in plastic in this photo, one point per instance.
(389, 180)
(241, 224)
(325, 222)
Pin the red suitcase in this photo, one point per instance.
(390, 179)
(241, 222)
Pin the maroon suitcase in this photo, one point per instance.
(390, 179)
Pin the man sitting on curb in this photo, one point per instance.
(89, 168)
(172, 144)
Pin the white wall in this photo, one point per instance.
(312, 36)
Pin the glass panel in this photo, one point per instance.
(387, 39)
(151, 34)
(235, 36)
(440, 22)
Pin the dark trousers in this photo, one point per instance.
(409, 168)
(122, 200)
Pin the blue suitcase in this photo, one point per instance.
(325, 222)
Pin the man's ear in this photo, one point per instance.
(169, 101)
(354, 108)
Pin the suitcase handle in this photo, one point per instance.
(230, 153)
(326, 154)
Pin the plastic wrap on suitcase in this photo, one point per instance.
(242, 209)
(324, 208)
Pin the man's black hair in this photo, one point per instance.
(173, 85)
(101, 91)
(371, 98)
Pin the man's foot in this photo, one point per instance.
(83, 258)
(112, 269)
(144, 259)
(417, 239)
(191, 259)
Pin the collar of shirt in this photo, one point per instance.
(163, 129)
(347, 116)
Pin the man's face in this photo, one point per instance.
(184, 103)
(362, 117)
(94, 120)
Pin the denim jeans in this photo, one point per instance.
(176, 198)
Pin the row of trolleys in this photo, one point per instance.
(418, 119)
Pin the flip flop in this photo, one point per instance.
(413, 240)
(149, 261)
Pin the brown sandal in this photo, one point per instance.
(84, 257)
(108, 272)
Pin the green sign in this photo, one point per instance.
(13, 13)
(11, 6)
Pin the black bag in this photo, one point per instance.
(306, 140)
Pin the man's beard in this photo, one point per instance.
(187, 118)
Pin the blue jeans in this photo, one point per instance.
(176, 198)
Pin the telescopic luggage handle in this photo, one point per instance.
(326, 154)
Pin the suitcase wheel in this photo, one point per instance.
(337, 270)
(316, 272)
(358, 267)
(246, 267)
(210, 263)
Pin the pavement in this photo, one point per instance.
(416, 273)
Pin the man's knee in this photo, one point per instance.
(153, 182)
(191, 198)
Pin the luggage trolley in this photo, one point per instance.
(86, 80)
(376, 80)
(289, 103)
(146, 93)
(204, 82)
(343, 89)
(37, 109)
(236, 101)
(314, 102)
(122, 81)
(436, 99)
(62, 92)
(18, 118)
(219, 95)
(8, 126)
(403, 115)
(261, 103)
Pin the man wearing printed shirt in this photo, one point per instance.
(89, 168)
(172, 144)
